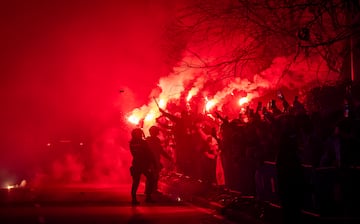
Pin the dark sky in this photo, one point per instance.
(63, 63)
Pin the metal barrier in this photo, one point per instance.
(329, 191)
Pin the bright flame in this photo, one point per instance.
(189, 96)
(149, 117)
(134, 119)
(243, 100)
(210, 104)
(162, 103)
(190, 82)
(191, 93)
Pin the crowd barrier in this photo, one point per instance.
(329, 191)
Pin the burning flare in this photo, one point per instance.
(243, 100)
(210, 104)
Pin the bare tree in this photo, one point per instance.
(251, 33)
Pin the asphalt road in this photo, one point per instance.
(81, 203)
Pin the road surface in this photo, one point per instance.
(65, 204)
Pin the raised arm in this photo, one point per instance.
(168, 115)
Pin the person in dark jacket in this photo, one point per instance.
(143, 163)
(290, 174)
(183, 145)
(157, 149)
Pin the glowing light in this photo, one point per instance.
(23, 183)
(189, 96)
(211, 116)
(81, 144)
(48, 144)
(134, 119)
(9, 187)
(178, 199)
(191, 93)
(149, 117)
(162, 103)
(210, 104)
(243, 100)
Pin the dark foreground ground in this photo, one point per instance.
(82, 203)
(184, 201)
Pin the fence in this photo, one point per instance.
(329, 191)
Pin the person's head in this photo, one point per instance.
(154, 131)
(137, 134)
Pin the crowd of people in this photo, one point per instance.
(215, 149)
(257, 135)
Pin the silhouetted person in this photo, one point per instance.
(210, 160)
(182, 136)
(225, 142)
(267, 115)
(257, 116)
(285, 104)
(143, 163)
(289, 172)
(349, 159)
(274, 109)
(298, 108)
(157, 149)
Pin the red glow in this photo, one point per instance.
(150, 117)
(243, 100)
(134, 119)
(63, 65)
(162, 103)
(210, 104)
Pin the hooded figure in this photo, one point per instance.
(157, 149)
(143, 163)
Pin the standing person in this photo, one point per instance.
(290, 174)
(157, 149)
(212, 169)
(143, 163)
(182, 136)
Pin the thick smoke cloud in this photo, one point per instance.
(63, 64)
(227, 56)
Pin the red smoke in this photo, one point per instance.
(201, 79)
(182, 85)
(63, 65)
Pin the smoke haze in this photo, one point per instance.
(74, 72)
(64, 65)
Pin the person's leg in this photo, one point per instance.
(149, 185)
(135, 184)
(156, 180)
